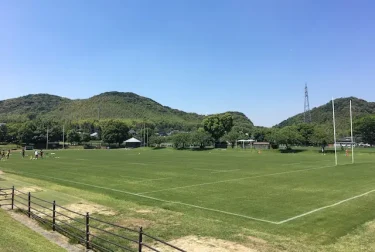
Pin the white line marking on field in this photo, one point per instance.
(322, 208)
(144, 164)
(147, 180)
(198, 169)
(152, 198)
(226, 171)
(229, 180)
(81, 159)
(290, 164)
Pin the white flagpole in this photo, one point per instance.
(351, 130)
(334, 129)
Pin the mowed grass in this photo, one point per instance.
(16, 237)
(299, 195)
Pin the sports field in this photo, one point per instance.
(284, 198)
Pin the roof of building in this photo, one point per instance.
(132, 140)
(261, 143)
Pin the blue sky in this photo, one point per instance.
(203, 56)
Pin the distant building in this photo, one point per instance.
(261, 145)
(345, 142)
(132, 143)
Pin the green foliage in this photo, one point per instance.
(201, 139)
(288, 135)
(306, 130)
(3, 133)
(114, 131)
(73, 136)
(157, 140)
(366, 128)
(85, 137)
(322, 136)
(232, 137)
(218, 125)
(180, 140)
(322, 115)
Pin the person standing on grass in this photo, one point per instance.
(23, 152)
(8, 154)
(3, 154)
(41, 153)
(36, 154)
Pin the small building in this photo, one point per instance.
(245, 143)
(345, 142)
(261, 145)
(132, 143)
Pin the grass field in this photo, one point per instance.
(15, 237)
(294, 201)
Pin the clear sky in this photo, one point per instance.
(203, 56)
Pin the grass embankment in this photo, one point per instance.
(16, 237)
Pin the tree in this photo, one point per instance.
(26, 132)
(114, 131)
(3, 132)
(157, 140)
(218, 125)
(306, 130)
(322, 136)
(201, 138)
(73, 136)
(288, 135)
(366, 128)
(85, 137)
(232, 137)
(180, 140)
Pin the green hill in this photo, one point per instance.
(323, 114)
(110, 105)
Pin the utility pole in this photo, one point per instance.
(307, 113)
(144, 134)
(147, 137)
(64, 136)
(47, 139)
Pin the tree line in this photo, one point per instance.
(212, 129)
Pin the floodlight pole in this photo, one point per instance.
(334, 129)
(351, 131)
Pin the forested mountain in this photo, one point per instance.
(110, 105)
(323, 114)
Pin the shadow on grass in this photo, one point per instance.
(292, 151)
(159, 148)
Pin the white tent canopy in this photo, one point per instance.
(132, 140)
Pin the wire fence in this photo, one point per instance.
(91, 232)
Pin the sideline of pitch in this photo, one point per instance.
(325, 207)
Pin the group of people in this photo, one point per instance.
(5, 155)
(37, 153)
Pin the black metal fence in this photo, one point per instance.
(93, 233)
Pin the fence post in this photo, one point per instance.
(140, 239)
(29, 204)
(54, 216)
(87, 231)
(12, 197)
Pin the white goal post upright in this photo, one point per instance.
(351, 131)
(334, 129)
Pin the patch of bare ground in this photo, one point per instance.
(145, 211)
(27, 189)
(1, 172)
(135, 223)
(82, 208)
(205, 244)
